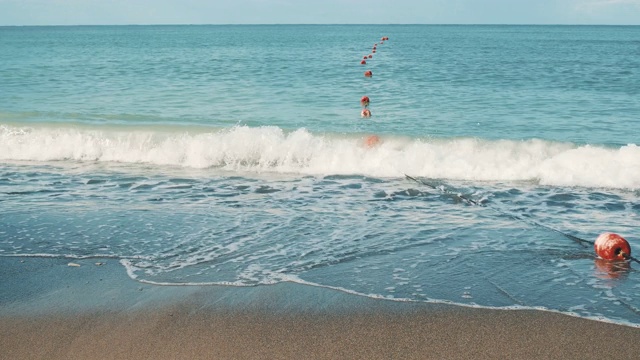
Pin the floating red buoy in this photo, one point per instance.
(364, 57)
(370, 56)
(363, 62)
(610, 246)
(366, 113)
(372, 140)
(368, 73)
(364, 101)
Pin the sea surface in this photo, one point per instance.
(237, 156)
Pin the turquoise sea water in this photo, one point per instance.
(236, 155)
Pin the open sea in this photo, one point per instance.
(237, 156)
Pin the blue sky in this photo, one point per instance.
(73, 12)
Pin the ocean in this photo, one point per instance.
(235, 155)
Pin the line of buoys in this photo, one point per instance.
(371, 140)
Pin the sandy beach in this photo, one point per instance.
(188, 332)
(98, 312)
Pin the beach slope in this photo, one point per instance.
(54, 311)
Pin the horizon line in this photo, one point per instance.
(321, 24)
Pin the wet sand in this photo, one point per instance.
(97, 312)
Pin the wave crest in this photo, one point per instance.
(273, 150)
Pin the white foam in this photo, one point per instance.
(272, 150)
(79, 257)
(270, 278)
(280, 278)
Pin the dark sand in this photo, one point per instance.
(49, 310)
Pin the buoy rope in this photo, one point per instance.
(514, 216)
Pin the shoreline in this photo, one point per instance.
(54, 311)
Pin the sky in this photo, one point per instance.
(119, 12)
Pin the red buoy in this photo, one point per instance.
(610, 246)
(370, 56)
(364, 101)
(368, 73)
(366, 113)
(363, 62)
(365, 57)
(372, 140)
